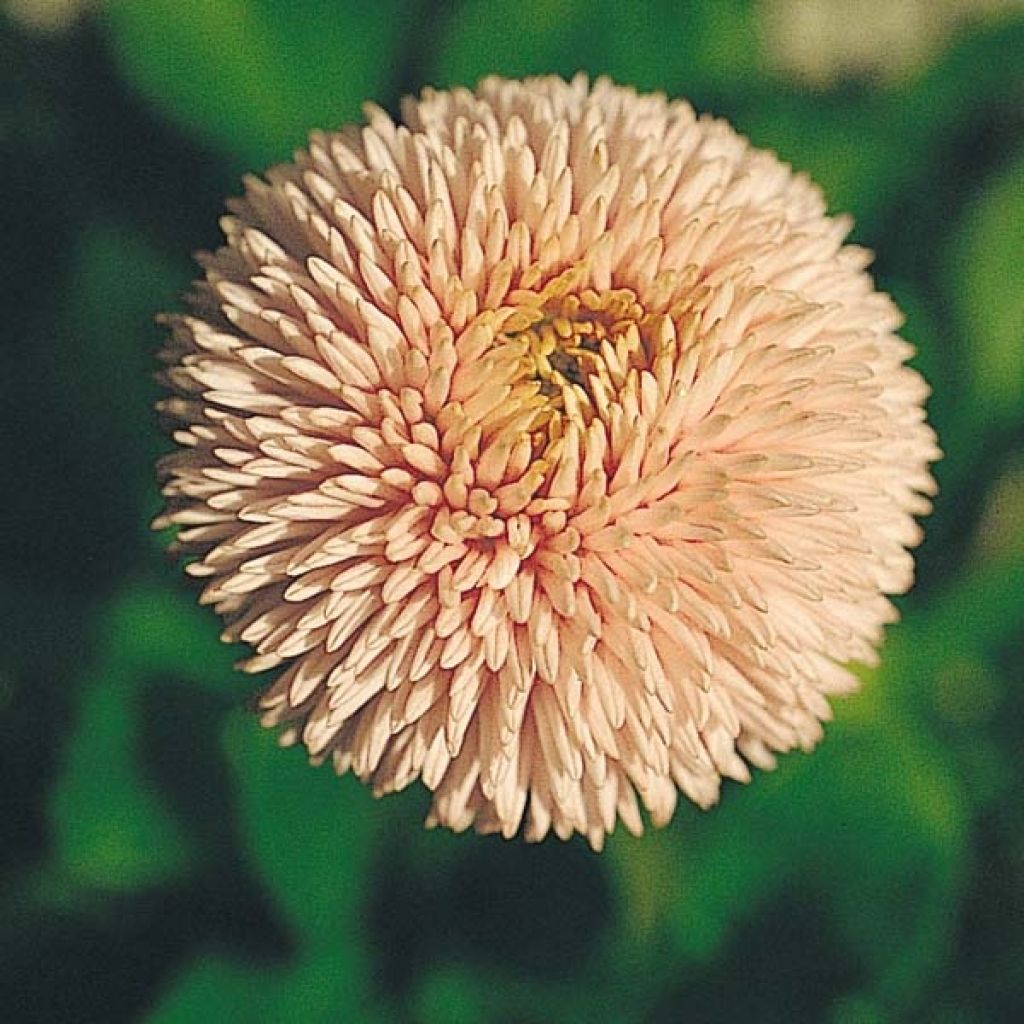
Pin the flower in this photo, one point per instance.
(554, 444)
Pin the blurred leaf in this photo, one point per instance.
(110, 828)
(468, 992)
(258, 76)
(309, 832)
(89, 358)
(978, 80)
(875, 822)
(933, 360)
(215, 989)
(944, 664)
(983, 269)
(452, 996)
(857, 1010)
(850, 145)
(161, 629)
(972, 618)
(108, 333)
(310, 838)
(874, 808)
(684, 48)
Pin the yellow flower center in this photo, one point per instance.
(576, 351)
(581, 336)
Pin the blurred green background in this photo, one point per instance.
(163, 861)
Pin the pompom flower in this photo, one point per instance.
(553, 444)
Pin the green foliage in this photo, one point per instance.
(253, 76)
(983, 270)
(109, 826)
(694, 49)
(309, 842)
(886, 806)
(167, 862)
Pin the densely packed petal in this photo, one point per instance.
(553, 445)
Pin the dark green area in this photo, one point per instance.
(163, 861)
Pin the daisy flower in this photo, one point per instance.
(552, 445)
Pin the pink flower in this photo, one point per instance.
(554, 445)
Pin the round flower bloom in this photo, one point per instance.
(556, 447)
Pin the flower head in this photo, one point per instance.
(553, 444)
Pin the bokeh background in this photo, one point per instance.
(163, 861)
